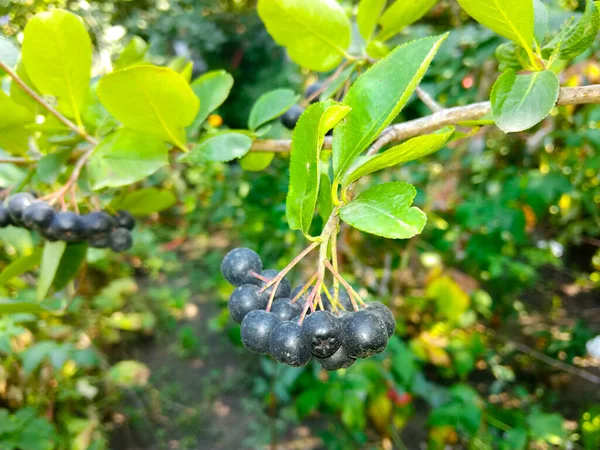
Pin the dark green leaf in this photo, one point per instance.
(53, 252)
(514, 439)
(581, 36)
(547, 427)
(337, 83)
(70, 263)
(324, 201)
(270, 106)
(20, 266)
(224, 146)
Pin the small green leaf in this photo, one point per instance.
(212, 89)
(512, 19)
(57, 55)
(145, 201)
(521, 101)
(53, 252)
(547, 427)
(125, 157)
(257, 161)
(581, 36)
(182, 66)
(378, 96)
(337, 83)
(324, 200)
(385, 210)
(17, 307)
(514, 439)
(541, 18)
(225, 146)
(20, 266)
(70, 263)
(407, 151)
(153, 100)
(270, 106)
(9, 53)
(316, 33)
(401, 14)
(13, 118)
(307, 141)
(133, 54)
(49, 167)
(368, 16)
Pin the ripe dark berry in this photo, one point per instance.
(321, 333)
(285, 309)
(17, 204)
(290, 118)
(5, 219)
(256, 330)
(286, 347)
(67, 226)
(120, 240)
(244, 299)
(238, 264)
(312, 90)
(38, 216)
(125, 220)
(283, 290)
(339, 360)
(343, 298)
(384, 313)
(364, 334)
(98, 222)
(99, 240)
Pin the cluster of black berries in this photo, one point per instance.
(335, 338)
(99, 229)
(289, 119)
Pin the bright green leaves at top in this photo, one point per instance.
(307, 141)
(133, 54)
(270, 106)
(581, 36)
(385, 210)
(316, 33)
(368, 16)
(212, 89)
(378, 96)
(13, 118)
(512, 19)
(149, 99)
(401, 14)
(57, 55)
(521, 101)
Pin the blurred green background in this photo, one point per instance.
(495, 301)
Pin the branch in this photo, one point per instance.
(583, 95)
(18, 161)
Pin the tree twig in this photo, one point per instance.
(428, 100)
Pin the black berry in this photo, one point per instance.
(125, 220)
(38, 216)
(17, 204)
(256, 330)
(339, 360)
(290, 118)
(5, 219)
(364, 334)
(384, 313)
(120, 240)
(286, 347)
(98, 222)
(321, 333)
(283, 290)
(66, 226)
(312, 90)
(238, 264)
(285, 309)
(244, 299)
(99, 240)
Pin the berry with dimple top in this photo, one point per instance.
(286, 347)
(98, 222)
(67, 226)
(312, 90)
(238, 264)
(364, 334)
(125, 220)
(38, 216)
(283, 290)
(339, 360)
(5, 219)
(256, 330)
(343, 298)
(321, 334)
(120, 240)
(384, 313)
(244, 299)
(17, 204)
(285, 309)
(289, 119)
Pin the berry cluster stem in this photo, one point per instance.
(353, 294)
(305, 288)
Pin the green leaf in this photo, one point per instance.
(20, 266)
(514, 439)
(512, 19)
(146, 201)
(521, 101)
(337, 83)
(225, 146)
(70, 263)
(547, 427)
(53, 252)
(17, 307)
(13, 118)
(182, 66)
(368, 16)
(257, 161)
(270, 106)
(407, 151)
(49, 167)
(541, 19)
(18, 94)
(34, 355)
(385, 210)
(401, 14)
(324, 200)
(57, 54)
(128, 374)
(212, 89)
(9, 53)
(580, 37)
(133, 54)
(124, 158)
(378, 96)
(316, 33)
(153, 100)
(307, 141)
